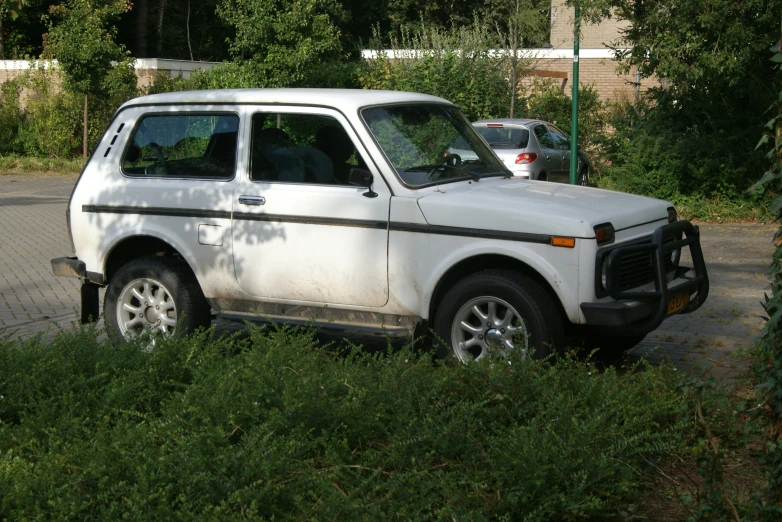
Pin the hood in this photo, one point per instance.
(518, 205)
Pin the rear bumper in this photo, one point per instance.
(69, 267)
(638, 312)
(74, 267)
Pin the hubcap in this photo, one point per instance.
(484, 325)
(145, 304)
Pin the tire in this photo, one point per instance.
(519, 310)
(164, 283)
(543, 176)
(583, 178)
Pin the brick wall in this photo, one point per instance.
(596, 67)
(593, 36)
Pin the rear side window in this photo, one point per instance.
(183, 146)
(544, 139)
(505, 137)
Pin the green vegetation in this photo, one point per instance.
(769, 367)
(274, 425)
(14, 163)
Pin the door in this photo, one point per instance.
(300, 231)
(550, 154)
(562, 143)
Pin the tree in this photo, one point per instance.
(283, 41)
(84, 46)
(11, 9)
(519, 24)
(715, 83)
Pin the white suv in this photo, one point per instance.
(352, 208)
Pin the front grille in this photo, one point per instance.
(637, 268)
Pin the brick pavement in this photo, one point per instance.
(32, 300)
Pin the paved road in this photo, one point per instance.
(32, 300)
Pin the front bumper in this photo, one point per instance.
(639, 311)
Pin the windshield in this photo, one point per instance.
(429, 144)
(505, 137)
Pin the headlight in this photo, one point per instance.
(672, 215)
(604, 274)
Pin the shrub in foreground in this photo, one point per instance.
(275, 426)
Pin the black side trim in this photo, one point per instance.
(157, 211)
(415, 228)
(471, 232)
(308, 220)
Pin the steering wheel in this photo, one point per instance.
(451, 160)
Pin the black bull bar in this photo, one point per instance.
(667, 241)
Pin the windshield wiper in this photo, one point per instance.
(460, 167)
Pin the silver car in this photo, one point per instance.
(533, 149)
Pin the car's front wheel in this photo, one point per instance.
(496, 311)
(154, 294)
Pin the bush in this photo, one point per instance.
(545, 101)
(52, 120)
(274, 426)
(457, 66)
(655, 151)
(10, 116)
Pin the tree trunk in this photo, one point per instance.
(2, 44)
(141, 28)
(84, 140)
(189, 47)
(160, 15)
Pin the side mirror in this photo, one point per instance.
(362, 178)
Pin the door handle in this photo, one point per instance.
(255, 201)
(548, 157)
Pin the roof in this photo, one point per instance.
(509, 121)
(345, 99)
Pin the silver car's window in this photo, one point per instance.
(197, 145)
(543, 137)
(429, 144)
(560, 140)
(505, 137)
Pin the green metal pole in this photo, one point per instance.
(574, 102)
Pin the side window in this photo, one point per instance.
(560, 140)
(301, 148)
(183, 146)
(543, 137)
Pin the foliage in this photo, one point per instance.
(15, 163)
(701, 121)
(769, 344)
(654, 153)
(83, 42)
(284, 41)
(544, 100)
(275, 426)
(10, 116)
(456, 65)
(51, 120)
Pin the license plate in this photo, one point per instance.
(677, 301)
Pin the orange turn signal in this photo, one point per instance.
(567, 242)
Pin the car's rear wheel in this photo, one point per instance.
(495, 312)
(583, 178)
(154, 295)
(542, 176)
